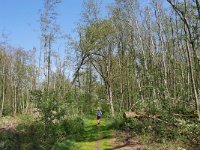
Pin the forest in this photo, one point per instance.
(139, 64)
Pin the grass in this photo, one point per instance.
(93, 137)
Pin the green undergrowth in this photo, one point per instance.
(84, 134)
(72, 134)
(166, 133)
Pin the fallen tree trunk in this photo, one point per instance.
(186, 116)
(140, 115)
(128, 115)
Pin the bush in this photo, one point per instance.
(163, 131)
(139, 127)
(31, 135)
(190, 131)
(158, 130)
(40, 136)
(26, 119)
(73, 126)
(117, 122)
(8, 141)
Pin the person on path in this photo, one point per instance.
(99, 114)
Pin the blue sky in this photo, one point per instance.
(20, 20)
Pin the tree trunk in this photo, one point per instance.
(3, 92)
(192, 76)
(110, 97)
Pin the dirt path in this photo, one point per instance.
(98, 144)
(123, 141)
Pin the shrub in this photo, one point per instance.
(191, 133)
(117, 122)
(73, 126)
(138, 126)
(31, 135)
(8, 141)
(26, 119)
(158, 130)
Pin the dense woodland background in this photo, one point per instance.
(141, 58)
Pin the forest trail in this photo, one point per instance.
(94, 137)
(104, 138)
